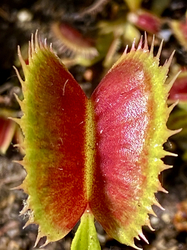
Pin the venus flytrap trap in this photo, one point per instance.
(93, 158)
(179, 29)
(7, 131)
(73, 41)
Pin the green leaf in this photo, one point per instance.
(86, 235)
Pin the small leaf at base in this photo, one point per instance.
(86, 235)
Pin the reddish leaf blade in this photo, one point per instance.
(178, 91)
(130, 117)
(54, 128)
(7, 131)
(146, 21)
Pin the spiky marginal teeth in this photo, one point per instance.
(174, 132)
(167, 153)
(170, 84)
(137, 237)
(151, 211)
(16, 120)
(17, 99)
(143, 44)
(24, 210)
(19, 77)
(146, 47)
(29, 222)
(156, 203)
(37, 240)
(33, 46)
(51, 47)
(39, 236)
(23, 64)
(140, 43)
(125, 51)
(172, 106)
(147, 223)
(161, 189)
(152, 45)
(17, 187)
(160, 50)
(36, 39)
(168, 62)
(45, 244)
(143, 237)
(164, 167)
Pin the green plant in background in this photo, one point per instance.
(93, 158)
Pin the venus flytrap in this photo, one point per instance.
(93, 158)
(73, 41)
(179, 29)
(7, 131)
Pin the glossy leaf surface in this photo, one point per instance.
(54, 129)
(131, 114)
